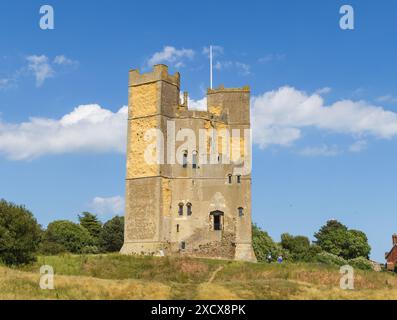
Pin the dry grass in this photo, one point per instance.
(125, 277)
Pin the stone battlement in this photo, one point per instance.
(159, 73)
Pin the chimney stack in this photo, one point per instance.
(394, 237)
(185, 99)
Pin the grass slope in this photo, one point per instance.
(125, 277)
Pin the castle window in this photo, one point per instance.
(238, 179)
(217, 223)
(183, 245)
(217, 219)
(184, 164)
(189, 209)
(180, 209)
(194, 160)
(240, 211)
(230, 178)
(177, 228)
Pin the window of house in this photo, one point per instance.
(238, 179)
(240, 211)
(180, 209)
(230, 178)
(189, 209)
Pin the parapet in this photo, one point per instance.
(159, 73)
(222, 89)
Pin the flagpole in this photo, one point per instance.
(211, 67)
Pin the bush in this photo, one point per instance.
(264, 245)
(51, 248)
(90, 250)
(111, 238)
(330, 259)
(337, 239)
(71, 236)
(299, 247)
(20, 234)
(361, 263)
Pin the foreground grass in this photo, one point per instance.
(125, 277)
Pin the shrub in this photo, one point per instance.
(299, 247)
(330, 259)
(90, 250)
(67, 234)
(20, 234)
(337, 239)
(111, 238)
(361, 263)
(264, 245)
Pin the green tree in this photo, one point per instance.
(67, 236)
(20, 234)
(111, 238)
(337, 239)
(299, 247)
(264, 245)
(91, 222)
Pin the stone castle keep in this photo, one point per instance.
(189, 208)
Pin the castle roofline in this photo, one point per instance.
(159, 73)
(221, 88)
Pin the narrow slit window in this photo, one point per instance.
(180, 209)
(184, 164)
(238, 179)
(177, 228)
(240, 211)
(189, 209)
(230, 178)
(183, 245)
(194, 160)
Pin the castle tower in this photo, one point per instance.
(187, 202)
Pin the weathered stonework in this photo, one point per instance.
(154, 192)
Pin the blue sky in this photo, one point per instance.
(324, 103)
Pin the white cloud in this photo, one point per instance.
(323, 150)
(243, 68)
(279, 116)
(324, 90)
(171, 55)
(216, 51)
(387, 98)
(5, 83)
(108, 206)
(88, 128)
(358, 146)
(272, 57)
(200, 105)
(40, 67)
(63, 60)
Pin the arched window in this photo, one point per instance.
(240, 211)
(184, 163)
(189, 209)
(230, 178)
(194, 160)
(238, 179)
(180, 209)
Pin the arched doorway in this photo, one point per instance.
(217, 220)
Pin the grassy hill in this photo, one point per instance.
(126, 277)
